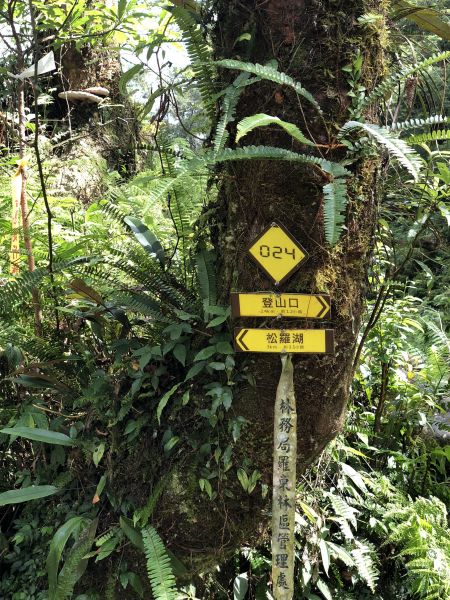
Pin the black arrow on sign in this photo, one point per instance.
(325, 307)
(240, 340)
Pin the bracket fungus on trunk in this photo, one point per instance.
(92, 95)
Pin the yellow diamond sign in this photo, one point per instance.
(277, 252)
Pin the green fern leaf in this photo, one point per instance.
(391, 82)
(335, 203)
(271, 74)
(415, 123)
(262, 120)
(141, 304)
(399, 149)
(367, 570)
(432, 136)
(273, 153)
(207, 277)
(143, 514)
(200, 56)
(75, 564)
(229, 104)
(342, 509)
(159, 568)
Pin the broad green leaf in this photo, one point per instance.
(25, 494)
(171, 443)
(97, 455)
(426, 18)
(224, 348)
(217, 321)
(146, 238)
(205, 486)
(151, 100)
(164, 400)
(100, 486)
(59, 540)
(83, 289)
(40, 435)
(128, 76)
(354, 476)
(324, 589)
(262, 120)
(325, 555)
(136, 584)
(195, 370)
(133, 534)
(341, 553)
(180, 353)
(121, 6)
(76, 562)
(205, 353)
(243, 478)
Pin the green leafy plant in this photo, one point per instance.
(159, 568)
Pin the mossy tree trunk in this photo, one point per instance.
(312, 40)
(104, 136)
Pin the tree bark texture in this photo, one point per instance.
(106, 137)
(311, 40)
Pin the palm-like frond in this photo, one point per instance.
(271, 74)
(391, 82)
(396, 147)
(262, 120)
(159, 569)
(335, 203)
(440, 135)
(414, 123)
(200, 56)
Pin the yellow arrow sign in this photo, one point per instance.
(262, 304)
(277, 252)
(304, 341)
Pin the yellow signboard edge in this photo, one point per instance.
(329, 341)
(236, 309)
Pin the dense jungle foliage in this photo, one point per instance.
(116, 351)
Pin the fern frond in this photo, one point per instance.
(159, 568)
(396, 147)
(206, 274)
(200, 57)
(262, 120)
(342, 509)
(363, 555)
(142, 304)
(432, 136)
(229, 104)
(391, 82)
(271, 74)
(143, 514)
(75, 563)
(335, 203)
(438, 336)
(200, 164)
(414, 123)
(273, 153)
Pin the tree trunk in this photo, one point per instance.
(311, 40)
(104, 138)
